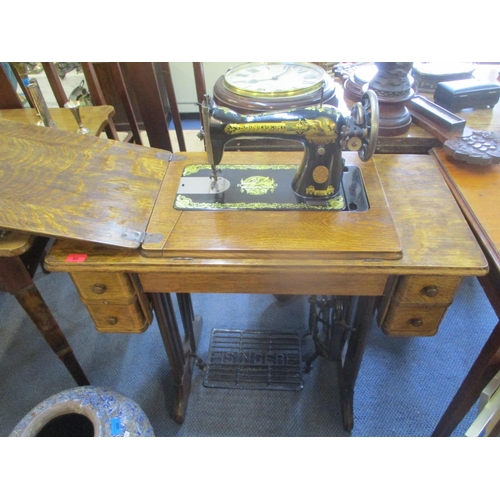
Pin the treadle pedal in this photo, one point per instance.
(254, 359)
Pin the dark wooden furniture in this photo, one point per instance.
(239, 252)
(144, 96)
(106, 74)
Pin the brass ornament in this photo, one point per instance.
(320, 174)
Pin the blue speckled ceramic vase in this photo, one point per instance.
(85, 412)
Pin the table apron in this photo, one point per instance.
(302, 283)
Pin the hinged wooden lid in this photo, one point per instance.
(66, 185)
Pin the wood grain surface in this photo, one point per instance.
(95, 119)
(14, 243)
(276, 233)
(435, 238)
(66, 185)
(477, 190)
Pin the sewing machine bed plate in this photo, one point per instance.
(261, 187)
(213, 234)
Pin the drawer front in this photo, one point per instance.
(115, 287)
(413, 320)
(426, 289)
(118, 318)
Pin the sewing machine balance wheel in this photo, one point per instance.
(367, 116)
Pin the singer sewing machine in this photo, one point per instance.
(397, 251)
(322, 180)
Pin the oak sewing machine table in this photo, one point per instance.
(127, 248)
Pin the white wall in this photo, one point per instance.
(183, 77)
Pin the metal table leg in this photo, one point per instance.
(181, 353)
(339, 327)
(349, 367)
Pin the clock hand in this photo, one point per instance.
(275, 77)
(282, 73)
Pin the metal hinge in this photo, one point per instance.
(142, 237)
(167, 156)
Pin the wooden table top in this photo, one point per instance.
(94, 118)
(61, 184)
(475, 187)
(434, 235)
(477, 191)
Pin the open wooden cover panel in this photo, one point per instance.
(66, 185)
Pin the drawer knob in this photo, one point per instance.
(431, 291)
(416, 322)
(112, 320)
(99, 289)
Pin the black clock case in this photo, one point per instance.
(470, 93)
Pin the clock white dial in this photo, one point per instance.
(274, 79)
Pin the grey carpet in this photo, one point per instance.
(404, 384)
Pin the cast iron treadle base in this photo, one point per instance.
(254, 359)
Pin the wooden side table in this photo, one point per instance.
(20, 253)
(476, 190)
(19, 257)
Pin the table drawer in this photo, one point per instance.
(413, 320)
(115, 287)
(426, 289)
(116, 301)
(118, 318)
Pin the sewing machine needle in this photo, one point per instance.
(214, 186)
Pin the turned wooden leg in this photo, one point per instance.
(181, 355)
(349, 368)
(484, 368)
(15, 279)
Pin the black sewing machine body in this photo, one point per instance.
(322, 129)
(316, 127)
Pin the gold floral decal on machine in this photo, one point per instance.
(184, 203)
(318, 131)
(257, 185)
(194, 169)
(319, 192)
